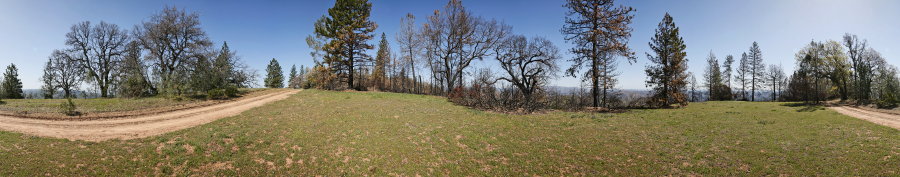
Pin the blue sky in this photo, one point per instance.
(262, 30)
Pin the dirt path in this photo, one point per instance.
(890, 120)
(137, 126)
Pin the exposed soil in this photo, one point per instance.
(132, 113)
(142, 124)
(880, 117)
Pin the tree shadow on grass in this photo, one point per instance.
(805, 107)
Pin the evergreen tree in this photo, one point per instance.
(12, 85)
(726, 73)
(274, 76)
(134, 81)
(693, 83)
(203, 78)
(667, 72)
(224, 75)
(713, 78)
(600, 32)
(757, 70)
(742, 71)
(48, 89)
(381, 59)
(294, 78)
(347, 28)
(229, 71)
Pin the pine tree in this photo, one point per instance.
(713, 79)
(202, 78)
(599, 30)
(741, 77)
(274, 76)
(48, 89)
(224, 75)
(693, 83)
(348, 28)
(12, 85)
(381, 60)
(757, 69)
(726, 74)
(134, 81)
(293, 78)
(667, 72)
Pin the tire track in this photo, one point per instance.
(889, 120)
(136, 126)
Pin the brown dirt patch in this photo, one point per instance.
(886, 119)
(127, 114)
(137, 126)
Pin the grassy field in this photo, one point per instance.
(95, 105)
(91, 105)
(347, 133)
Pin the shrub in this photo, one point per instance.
(231, 92)
(887, 103)
(68, 108)
(216, 94)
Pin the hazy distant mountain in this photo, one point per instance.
(569, 90)
(37, 94)
(701, 95)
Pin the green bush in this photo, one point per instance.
(219, 94)
(888, 103)
(216, 94)
(231, 92)
(68, 108)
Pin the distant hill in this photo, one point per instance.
(570, 90)
(37, 94)
(702, 95)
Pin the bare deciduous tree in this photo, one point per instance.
(410, 45)
(454, 38)
(863, 65)
(528, 63)
(173, 39)
(66, 75)
(97, 51)
(776, 80)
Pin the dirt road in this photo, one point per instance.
(890, 120)
(137, 126)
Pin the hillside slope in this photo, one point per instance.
(353, 133)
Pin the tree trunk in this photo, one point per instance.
(350, 79)
(595, 84)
